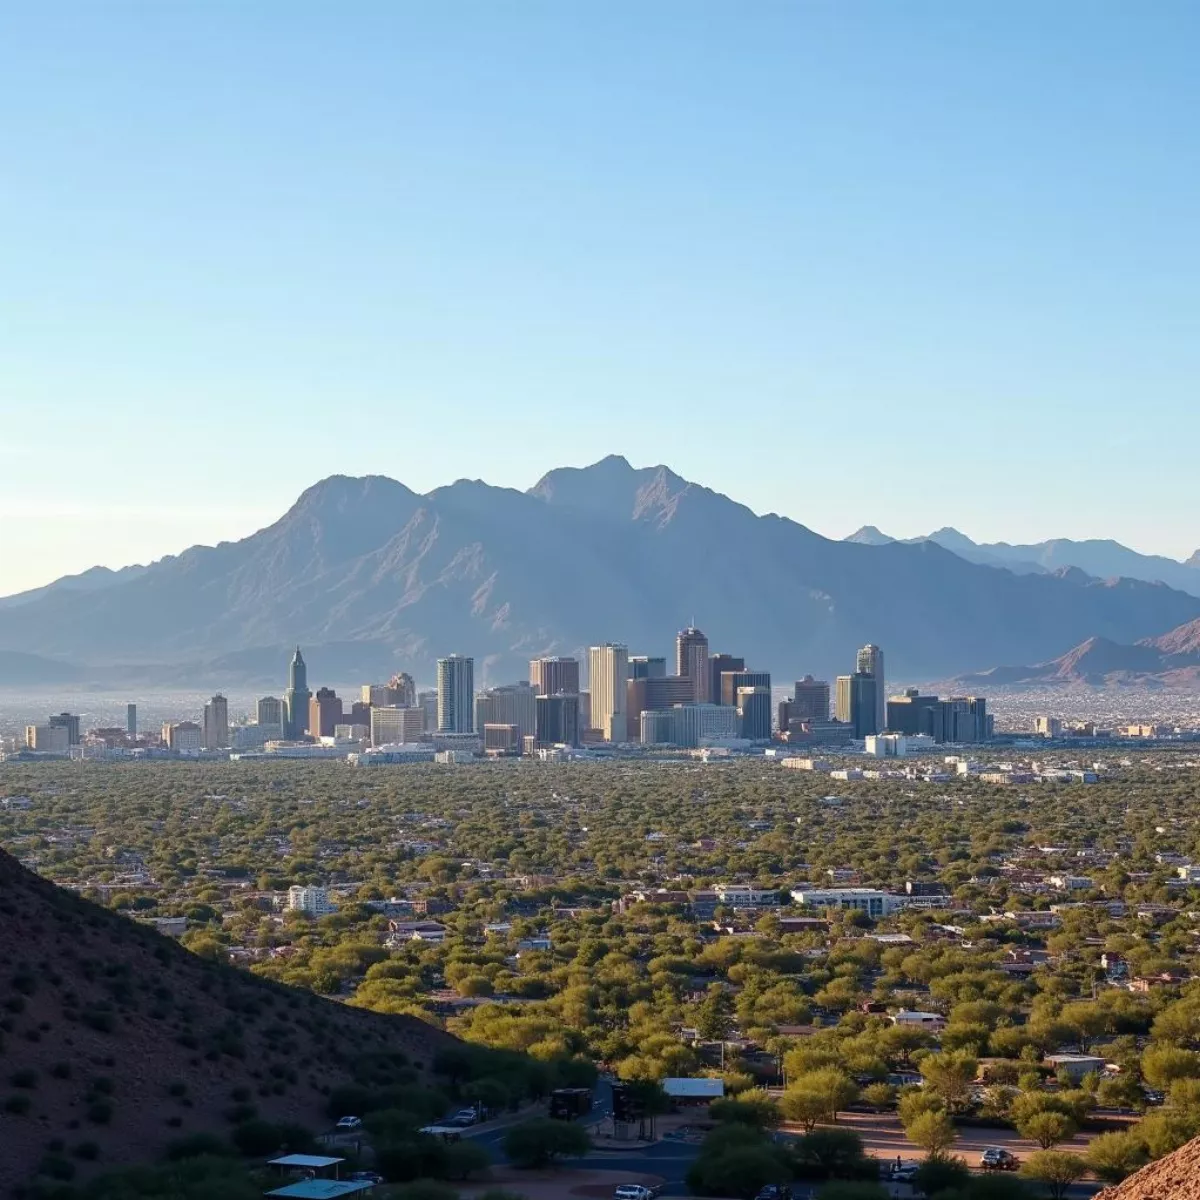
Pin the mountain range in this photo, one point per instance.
(1172, 660)
(1102, 558)
(371, 577)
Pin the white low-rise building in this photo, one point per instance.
(868, 900)
(311, 900)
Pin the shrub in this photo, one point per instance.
(26, 1078)
(538, 1143)
(255, 1138)
(197, 1145)
(99, 1112)
(18, 1105)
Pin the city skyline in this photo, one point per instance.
(730, 216)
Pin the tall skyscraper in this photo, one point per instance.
(392, 725)
(553, 675)
(691, 659)
(754, 713)
(131, 720)
(69, 722)
(428, 703)
(641, 667)
(296, 698)
(608, 670)
(216, 723)
(269, 711)
(870, 662)
(324, 713)
(731, 681)
(856, 705)
(558, 720)
(514, 704)
(718, 664)
(810, 701)
(456, 694)
(398, 692)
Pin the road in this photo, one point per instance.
(882, 1135)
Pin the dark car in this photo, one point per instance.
(995, 1158)
(775, 1191)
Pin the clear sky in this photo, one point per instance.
(911, 264)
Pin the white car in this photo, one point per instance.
(636, 1191)
(350, 1123)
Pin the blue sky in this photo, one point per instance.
(909, 264)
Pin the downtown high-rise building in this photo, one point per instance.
(557, 720)
(131, 720)
(855, 704)
(216, 723)
(269, 711)
(393, 725)
(732, 681)
(398, 692)
(69, 722)
(810, 700)
(643, 667)
(870, 662)
(456, 694)
(608, 673)
(554, 675)
(754, 713)
(514, 704)
(296, 698)
(718, 664)
(691, 660)
(324, 713)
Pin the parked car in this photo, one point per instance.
(995, 1158)
(464, 1117)
(350, 1123)
(365, 1177)
(637, 1191)
(775, 1191)
(906, 1172)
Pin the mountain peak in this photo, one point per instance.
(870, 535)
(611, 487)
(1194, 561)
(951, 539)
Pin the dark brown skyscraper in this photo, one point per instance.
(691, 659)
(552, 676)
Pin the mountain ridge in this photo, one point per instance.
(1170, 660)
(1100, 557)
(371, 576)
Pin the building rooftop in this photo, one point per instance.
(323, 1189)
(317, 1162)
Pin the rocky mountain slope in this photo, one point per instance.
(1172, 660)
(117, 1039)
(1176, 1177)
(370, 577)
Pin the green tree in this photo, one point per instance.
(1113, 1156)
(1055, 1169)
(933, 1132)
(1047, 1129)
(1163, 1064)
(539, 1142)
(950, 1076)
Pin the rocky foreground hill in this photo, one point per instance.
(116, 1041)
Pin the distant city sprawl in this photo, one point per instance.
(614, 705)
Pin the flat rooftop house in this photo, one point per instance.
(323, 1189)
(306, 1162)
(694, 1088)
